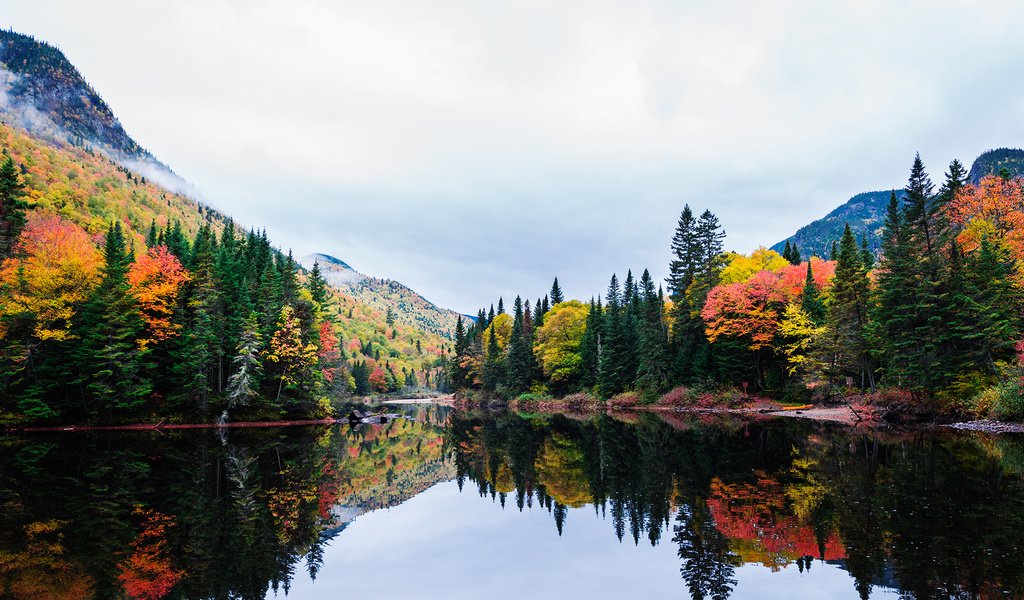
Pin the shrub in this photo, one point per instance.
(580, 401)
(680, 396)
(1008, 403)
(624, 400)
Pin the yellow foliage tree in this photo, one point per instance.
(500, 327)
(742, 268)
(57, 268)
(558, 340)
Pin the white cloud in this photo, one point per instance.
(477, 149)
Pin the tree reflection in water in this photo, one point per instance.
(932, 514)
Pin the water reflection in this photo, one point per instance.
(933, 514)
(705, 510)
(190, 513)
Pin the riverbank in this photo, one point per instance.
(877, 411)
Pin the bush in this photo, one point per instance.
(680, 396)
(966, 395)
(580, 401)
(624, 400)
(1008, 403)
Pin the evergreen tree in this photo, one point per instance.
(795, 257)
(493, 371)
(520, 354)
(685, 255)
(108, 355)
(610, 380)
(318, 287)
(243, 385)
(12, 208)
(501, 306)
(590, 348)
(845, 339)
(652, 368)
(811, 301)
(556, 293)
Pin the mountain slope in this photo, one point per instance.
(76, 163)
(44, 94)
(991, 162)
(865, 212)
(407, 306)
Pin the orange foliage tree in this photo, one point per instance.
(329, 353)
(156, 278)
(994, 208)
(56, 268)
(147, 573)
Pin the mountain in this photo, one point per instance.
(44, 94)
(79, 164)
(865, 212)
(991, 162)
(407, 306)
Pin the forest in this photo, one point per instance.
(121, 302)
(930, 322)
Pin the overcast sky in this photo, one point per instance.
(476, 149)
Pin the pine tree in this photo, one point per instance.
(685, 255)
(652, 366)
(556, 293)
(519, 363)
(501, 306)
(811, 301)
(12, 208)
(109, 356)
(610, 377)
(795, 257)
(493, 371)
(590, 348)
(846, 339)
(318, 286)
(243, 385)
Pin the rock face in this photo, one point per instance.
(406, 305)
(866, 212)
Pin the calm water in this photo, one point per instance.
(457, 505)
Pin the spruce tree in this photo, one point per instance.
(556, 293)
(811, 301)
(610, 380)
(846, 340)
(685, 255)
(590, 348)
(243, 384)
(318, 286)
(652, 366)
(12, 208)
(108, 355)
(520, 353)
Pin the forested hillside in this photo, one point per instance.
(933, 324)
(121, 300)
(865, 213)
(385, 295)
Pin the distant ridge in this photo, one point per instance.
(407, 306)
(865, 212)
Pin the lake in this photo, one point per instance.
(452, 504)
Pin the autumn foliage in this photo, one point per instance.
(147, 573)
(58, 266)
(156, 278)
